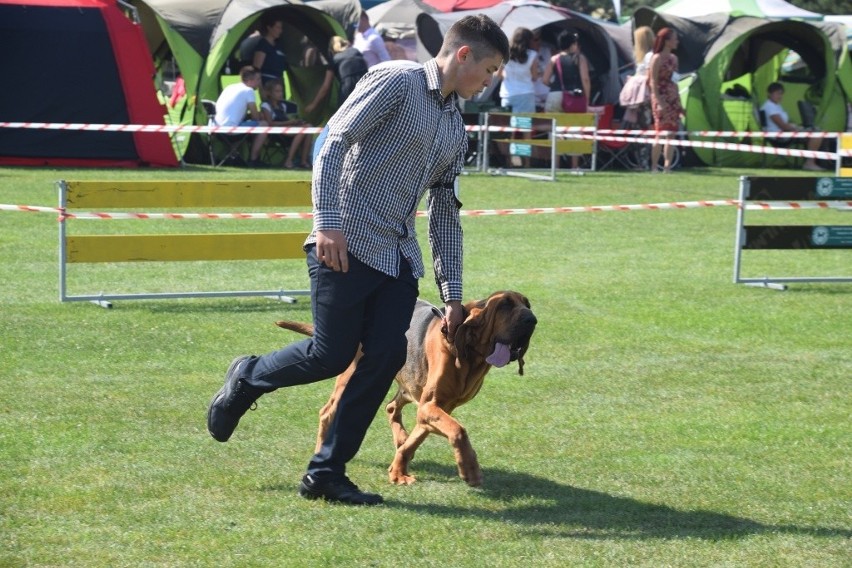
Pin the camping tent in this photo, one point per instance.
(303, 23)
(771, 9)
(198, 40)
(178, 32)
(596, 41)
(460, 5)
(77, 61)
(737, 63)
(398, 19)
(695, 35)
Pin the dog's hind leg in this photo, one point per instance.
(327, 412)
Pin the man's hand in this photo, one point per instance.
(453, 318)
(332, 250)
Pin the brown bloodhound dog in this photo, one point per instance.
(439, 377)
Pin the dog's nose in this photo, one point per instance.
(528, 318)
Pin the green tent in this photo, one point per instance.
(771, 9)
(197, 40)
(301, 22)
(738, 61)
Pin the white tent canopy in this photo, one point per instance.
(771, 9)
(398, 16)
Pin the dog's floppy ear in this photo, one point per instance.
(467, 335)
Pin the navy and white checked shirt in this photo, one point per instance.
(394, 138)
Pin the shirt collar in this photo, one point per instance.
(433, 80)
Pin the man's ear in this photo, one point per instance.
(463, 53)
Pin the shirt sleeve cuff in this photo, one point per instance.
(451, 291)
(328, 221)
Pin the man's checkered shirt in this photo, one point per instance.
(394, 138)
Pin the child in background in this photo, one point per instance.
(278, 112)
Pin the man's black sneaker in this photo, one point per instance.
(338, 490)
(231, 402)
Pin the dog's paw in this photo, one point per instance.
(471, 475)
(400, 479)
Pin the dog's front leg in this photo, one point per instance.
(394, 412)
(437, 420)
(398, 470)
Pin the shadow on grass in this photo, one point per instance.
(298, 310)
(571, 512)
(829, 290)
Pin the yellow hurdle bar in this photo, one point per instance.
(183, 194)
(218, 246)
(561, 119)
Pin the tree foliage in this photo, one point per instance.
(604, 8)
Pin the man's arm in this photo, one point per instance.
(785, 126)
(322, 93)
(254, 113)
(445, 242)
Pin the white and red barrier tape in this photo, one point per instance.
(717, 146)
(149, 128)
(568, 132)
(757, 205)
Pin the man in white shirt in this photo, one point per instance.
(237, 102)
(370, 43)
(777, 120)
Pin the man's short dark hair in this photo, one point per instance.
(774, 88)
(480, 33)
(248, 72)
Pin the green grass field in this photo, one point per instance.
(667, 417)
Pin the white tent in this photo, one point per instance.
(771, 9)
(396, 19)
(596, 40)
(398, 13)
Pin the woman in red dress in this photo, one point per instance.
(665, 98)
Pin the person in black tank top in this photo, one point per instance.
(575, 71)
(574, 75)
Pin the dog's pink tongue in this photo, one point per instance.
(500, 357)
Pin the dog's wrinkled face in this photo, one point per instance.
(499, 327)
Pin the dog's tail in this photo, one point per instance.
(297, 326)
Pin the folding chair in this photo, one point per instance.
(808, 113)
(612, 152)
(278, 145)
(760, 117)
(780, 142)
(231, 144)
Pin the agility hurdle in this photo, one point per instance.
(761, 192)
(118, 248)
(545, 142)
(844, 143)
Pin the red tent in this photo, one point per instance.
(77, 61)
